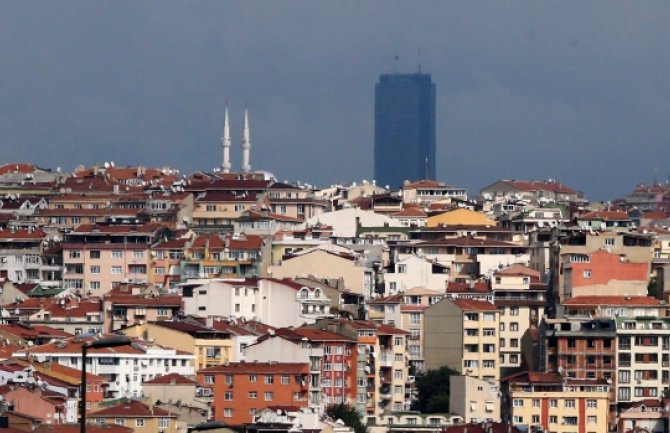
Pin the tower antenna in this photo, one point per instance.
(419, 58)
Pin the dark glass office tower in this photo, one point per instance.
(404, 128)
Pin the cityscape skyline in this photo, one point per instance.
(534, 92)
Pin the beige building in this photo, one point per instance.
(557, 404)
(322, 263)
(474, 399)
(210, 347)
(140, 417)
(520, 295)
(463, 334)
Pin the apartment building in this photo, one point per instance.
(123, 309)
(550, 402)
(520, 295)
(643, 364)
(474, 399)
(576, 246)
(142, 418)
(241, 389)
(272, 301)
(210, 346)
(20, 255)
(463, 334)
(124, 368)
(97, 257)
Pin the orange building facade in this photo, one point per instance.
(242, 389)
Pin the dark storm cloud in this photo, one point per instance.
(575, 91)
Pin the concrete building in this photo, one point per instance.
(550, 402)
(463, 334)
(474, 399)
(141, 417)
(275, 302)
(243, 389)
(519, 293)
(125, 368)
(210, 347)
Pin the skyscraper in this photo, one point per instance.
(404, 128)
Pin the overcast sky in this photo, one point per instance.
(577, 91)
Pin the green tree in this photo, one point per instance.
(433, 391)
(349, 415)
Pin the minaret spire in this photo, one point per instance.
(246, 144)
(225, 143)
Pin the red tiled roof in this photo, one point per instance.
(248, 242)
(211, 241)
(140, 228)
(473, 305)
(604, 215)
(33, 331)
(175, 244)
(258, 367)
(219, 196)
(412, 211)
(593, 301)
(22, 234)
(478, 287)
(170, 379)
(74, 428)
(540, 185)
(157, 302)
(132, 409)
(519, 269)
(17, 168)
(314, 334)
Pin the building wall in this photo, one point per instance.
(539, 408)
(474, 399)
(325, 265)
(235, 404)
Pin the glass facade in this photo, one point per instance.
(404, 129)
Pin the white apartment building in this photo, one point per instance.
(124, 367)
(278, 303)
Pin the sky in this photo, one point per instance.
(577, 91)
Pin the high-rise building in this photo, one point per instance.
(404, 128)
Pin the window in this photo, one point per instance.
(587, 273)
(229, 379)
(517, 402)
(117, 270)
(209, 380)
(120, 421)
(95, 269)
(139, 422)
(536, 402)
(253, 395)
(402, 269)
(569, 403)
(591, 419)
(117, 254)
(591, 403)
(553, 419)
(94, 285)
(489, 332)
(269, 396)
(514, 326)
(285, 380)
(609, 242)
(159, 270)
(138, 255)
(253, 378)
(414, 318)
(228, 396)
(553, 402)
(513, 311)
(94, 254)
(269, 379)
(228, 412)
(73, 255)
